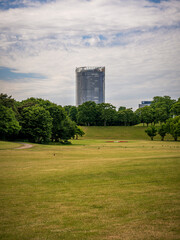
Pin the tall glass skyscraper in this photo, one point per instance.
(90, 84)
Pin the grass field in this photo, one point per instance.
(90, 190)
(119, 132)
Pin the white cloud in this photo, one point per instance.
(136, 40)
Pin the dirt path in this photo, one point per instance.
(25, 146)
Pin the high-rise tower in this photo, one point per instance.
(90, 84)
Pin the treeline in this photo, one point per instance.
(41, 121)
(105, 114)
(36, 120)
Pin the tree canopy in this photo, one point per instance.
(40, 120)
(9, 126)
(36, 124)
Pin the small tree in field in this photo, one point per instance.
(162, 130)
(173, 127)
(151, 132)
(79, 132)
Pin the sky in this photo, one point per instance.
(43, 41)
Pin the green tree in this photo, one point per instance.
(145, 114)
(107, 113)
(36, 124)
(175, 109)
(79, 132)
(58, 115)
(131, 117)
(9, 126)
(122, 117)
(67, 108)
(61, 124)
(126, 117)
(63, 127)
(67, 131)
(162, 108)
(87, 113)
(121, 108)
(71, 112)
(151, 132)
(29, 102)
(9, 102)
(173, 127)
(162, 130)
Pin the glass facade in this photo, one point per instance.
(145, 103)
(90, 84)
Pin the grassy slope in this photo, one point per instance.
(118, 132)
(8, 145)
(91, 190)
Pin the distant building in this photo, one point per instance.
(90, 84)
(145, 103)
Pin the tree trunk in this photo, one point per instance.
(151, 138)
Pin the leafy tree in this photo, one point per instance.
(63, 127)
(87, 113)
(126, 117)
(122, 117)
(162, 130)
(145, 114)
(151, 132)
(58, 115)
(107, 113)
(73, 113)
(121, 108)
(160, 115)
(79, 132)
(67, 131)
(67, 108)
(175, 109)
(173, 127)
(131, 118)
(162, 108)
(9, 102)
(29, 102)
(9, 126)
(61, 124)
(36, 124)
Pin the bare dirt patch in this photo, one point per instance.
(25, 146)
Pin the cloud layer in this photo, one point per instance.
(136, 40)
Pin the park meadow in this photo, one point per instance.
(106, 185)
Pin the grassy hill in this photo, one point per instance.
(118, 132)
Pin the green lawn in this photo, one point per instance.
(119, 132)
(91, 190)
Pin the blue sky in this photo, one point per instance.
(42, 42)
(10, 4)
(9, 74)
